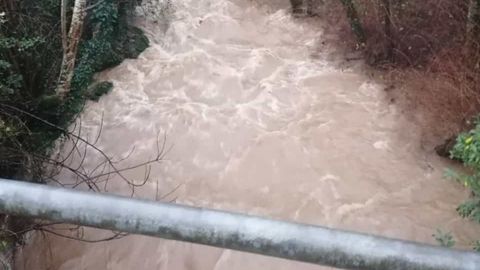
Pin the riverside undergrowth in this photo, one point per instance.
(32, 116)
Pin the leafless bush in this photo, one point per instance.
(73, 149)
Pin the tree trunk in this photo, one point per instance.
(69, 55)
(473, 20)
(390, 45)
(63, 22)
(354, 20)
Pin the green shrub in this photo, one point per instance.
(30, 59)
(445, 239)
(467, 150)
(96, 90)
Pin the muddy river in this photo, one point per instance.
(260, 119)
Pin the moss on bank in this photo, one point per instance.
(96, 90)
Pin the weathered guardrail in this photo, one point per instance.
(293, 241)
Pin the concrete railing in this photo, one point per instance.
(293, 241)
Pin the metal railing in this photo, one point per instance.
(289, 240)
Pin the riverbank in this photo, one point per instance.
(424, 60)
(33, 119)
(427, 55)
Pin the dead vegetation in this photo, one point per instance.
(427, 49)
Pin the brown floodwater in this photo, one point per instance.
(259, 119)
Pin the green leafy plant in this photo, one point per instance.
(467, 150)
(97, 90)
(4, 244)
(476, 245)
(445, 239)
